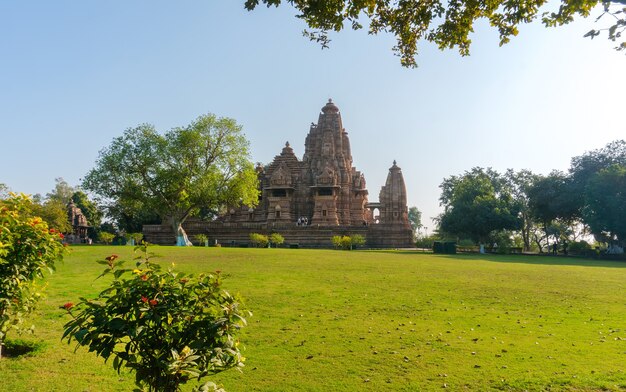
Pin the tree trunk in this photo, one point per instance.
(537, 241)
(181, 235)
(526, 234)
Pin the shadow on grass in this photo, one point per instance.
(14, 348)
(520, 258)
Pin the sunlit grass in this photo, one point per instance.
(335, 320)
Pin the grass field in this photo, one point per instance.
(329, 320)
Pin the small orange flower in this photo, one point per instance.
(61, 235)
(111, 258)
(144, 277)
(144, 299)
(153, 302)
(68, 306)
(52, 231)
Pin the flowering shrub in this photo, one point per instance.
(27, 249)
(166, 326)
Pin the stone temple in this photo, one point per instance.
(310, 200)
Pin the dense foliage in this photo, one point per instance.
(276, 239)
(605, 207)
(167, 327)
(107, 238)
(477, 204)
(448, 24)
(202, 239)
(28, 247)
(54, 213)
(259, 240)
(541, 211)
(346, 242)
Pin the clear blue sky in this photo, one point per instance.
(74, 75)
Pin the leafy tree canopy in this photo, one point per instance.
(551, 197)
(54, 213)
(476, 204)
(584, 167)
(447, 24)
(203, 165)
(605, 209)
(519, 183)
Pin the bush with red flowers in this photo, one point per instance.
(27, 249)
(166, 326)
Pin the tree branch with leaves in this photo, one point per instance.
(447, 24)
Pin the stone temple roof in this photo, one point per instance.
(330, 107)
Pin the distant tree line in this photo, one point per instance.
(536, 211)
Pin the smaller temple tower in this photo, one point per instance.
(392, 198)
(393, 229)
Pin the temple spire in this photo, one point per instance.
(393, 200)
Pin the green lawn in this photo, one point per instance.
(329, 320)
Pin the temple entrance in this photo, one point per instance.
(374, 208)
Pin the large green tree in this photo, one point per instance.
(476, 204)
(584, 174)
(584, 167)
(519, 184)
(554, 204)
(203, 165)
(448, 24)
(605, 207)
